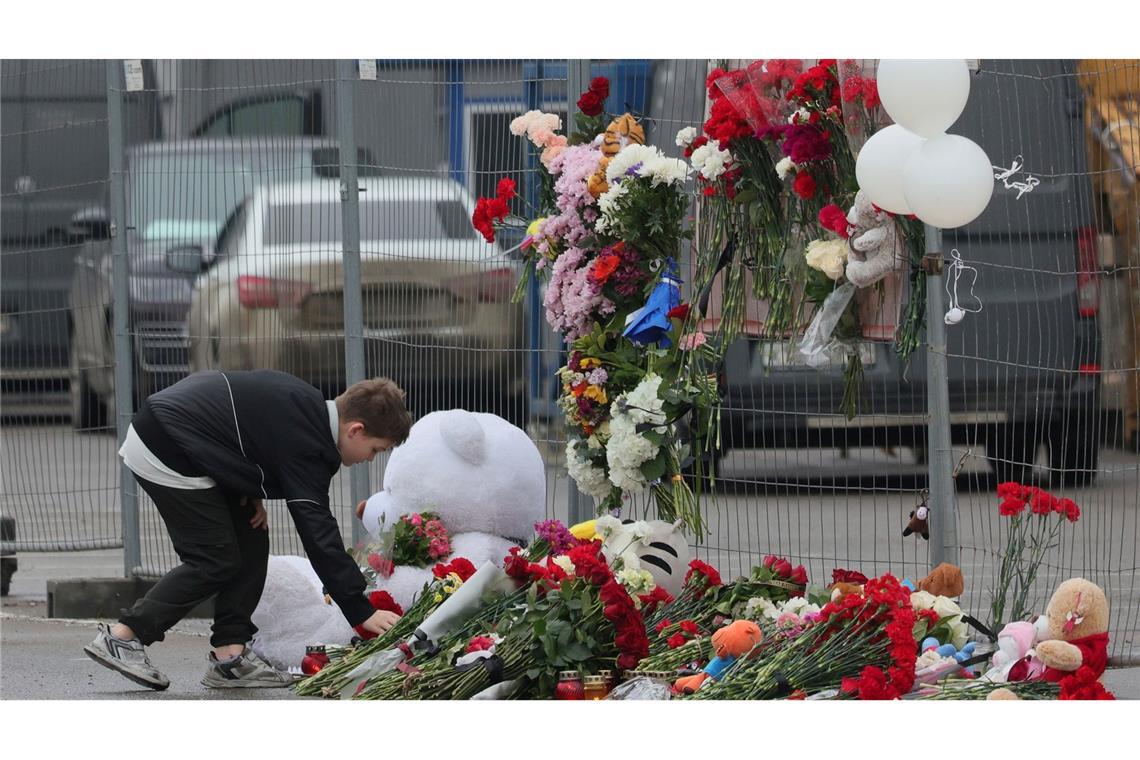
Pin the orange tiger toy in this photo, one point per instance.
(621, 132)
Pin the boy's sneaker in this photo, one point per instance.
(246, 671)
(127, 657)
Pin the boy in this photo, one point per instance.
(208, 450)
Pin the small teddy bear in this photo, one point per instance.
(877, 245)
(729, 642)
(1077, 626)
(944, 580)
(1015, 659)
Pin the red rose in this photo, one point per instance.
(590, 103)
(832, 218)
(799, 575)
(601, 86)
(627, 661)
(782, 568)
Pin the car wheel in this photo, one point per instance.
(88, 414)
(7, 568)
(1074, 451)
(1011, 450)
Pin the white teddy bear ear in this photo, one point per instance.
(464, 435)
(373, 511)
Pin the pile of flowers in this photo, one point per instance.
(639, 389)
(1036, 519)
(775, 162)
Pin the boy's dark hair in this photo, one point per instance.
(378, 404)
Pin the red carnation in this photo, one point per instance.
(461, 566)
(505, 190)
(1010, 507)
(676, 640)
(663, 625)
(381, 565)
(680, 311)
(480, 644)
(832, 218)
(804, 186)
(604, 266)
(1069, 508)
(591, 103)
(601, 86)
(1083, 684)
(688, 626)
(382, 600)
(871, 93)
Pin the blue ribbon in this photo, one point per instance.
(650, 323)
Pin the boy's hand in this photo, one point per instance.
(360, 510)
(260, 518)
(380, 621)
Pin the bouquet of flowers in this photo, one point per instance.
(606, 236)
(576, 616)
(1036, 520)
(447, 579)
(863, 644)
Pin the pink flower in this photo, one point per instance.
(692, 340)
(416, 519)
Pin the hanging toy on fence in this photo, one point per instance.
(919, 517)
(956, 313)
(1022, 188)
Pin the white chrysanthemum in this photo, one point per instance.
(665, 171)
(602, 224)
(565, 563)
(828, 256)
(628, 157)
(798, 605)
(626, 452)
(783, 166)
(639, 530)
(590, 479)
(686, 136)
(607, 199)
(637, 582)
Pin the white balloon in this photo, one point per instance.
(948, 181)
(925, 96)
(879, 167)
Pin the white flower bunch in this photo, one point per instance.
(650, 163)
(710, 160)
(783, 166)
(948, 610)
(636, 581)
(564, 562)
(686, 136)
(627, 449)
(828, 256)
(591, 479)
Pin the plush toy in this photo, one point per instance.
(656, 546)
(841, 589)
(621, 132)
(482, 476)
(877, 245)
(1015, 659)
(729, 642)
(919, 522)
(944, 580)
(1077, 630)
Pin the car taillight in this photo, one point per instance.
(1088, 273)
(270, 292)
(484, 287)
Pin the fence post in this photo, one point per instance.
(350, 239)
(577, 77)
(124, 376)
(940, 458)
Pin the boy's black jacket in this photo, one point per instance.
(261, 434)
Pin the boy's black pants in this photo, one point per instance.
(221, 554)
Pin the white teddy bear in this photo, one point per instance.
(484, 478)
(877, 245)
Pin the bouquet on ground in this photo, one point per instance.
(576, 616)
(1036, 519)
(862, 645)
(330, 680)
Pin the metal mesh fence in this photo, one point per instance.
(235, 241)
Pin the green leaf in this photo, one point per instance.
(656, 467)
(577, 651)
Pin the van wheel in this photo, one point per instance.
(1011, 450)
(1074, 451)
(88, 414)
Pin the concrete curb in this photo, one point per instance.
(104, 598)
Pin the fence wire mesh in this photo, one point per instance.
(235, 243)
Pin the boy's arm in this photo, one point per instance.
(320, 535)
